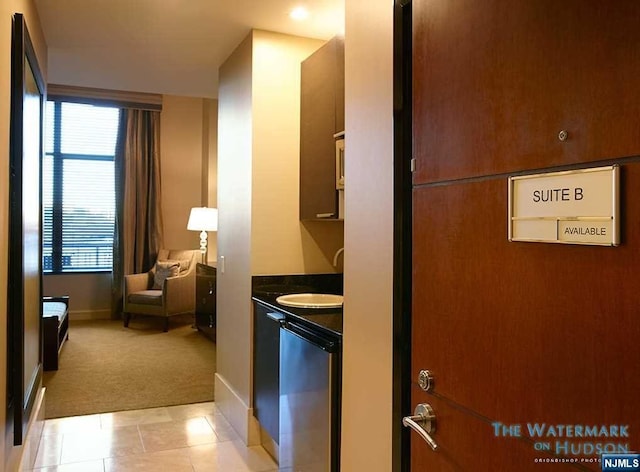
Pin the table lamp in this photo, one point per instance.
(203, 219)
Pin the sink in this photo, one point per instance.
(311, 300)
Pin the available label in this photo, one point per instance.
(596, 232)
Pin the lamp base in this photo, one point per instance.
(203, 246)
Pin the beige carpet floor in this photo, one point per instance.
(105, 367)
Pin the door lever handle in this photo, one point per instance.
(423, 422)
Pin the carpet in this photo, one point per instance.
(106, 367)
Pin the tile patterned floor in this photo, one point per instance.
(190, 438)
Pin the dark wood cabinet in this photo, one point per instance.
(206, 300)
(266, 369)
(321, 117)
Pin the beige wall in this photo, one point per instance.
(368, 284)
(210, 168)
(185, 134)
(7, 8)
(260, 231)
(210, 153)
(89, 294)
(234, 235)
(280, 244)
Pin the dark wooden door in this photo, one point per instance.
(522, 334)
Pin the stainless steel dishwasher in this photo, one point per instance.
(309, 399)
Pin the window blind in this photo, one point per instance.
(78, 187)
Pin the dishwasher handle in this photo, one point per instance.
(277, 317)
(310, 336)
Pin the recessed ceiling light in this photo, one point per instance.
(299, 14)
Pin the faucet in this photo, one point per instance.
(335, 257)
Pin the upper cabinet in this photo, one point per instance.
(321, 117)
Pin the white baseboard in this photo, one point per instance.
(237, 412)
(34, 431)
(90, 314)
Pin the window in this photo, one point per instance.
(78, 187)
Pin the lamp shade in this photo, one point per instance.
(203, 219)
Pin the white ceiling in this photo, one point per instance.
(165, 46)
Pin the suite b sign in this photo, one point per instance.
(571, 207)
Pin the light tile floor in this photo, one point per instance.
(190, 438)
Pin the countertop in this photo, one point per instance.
(265, 289)
(328, 320)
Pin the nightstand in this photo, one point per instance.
(206, 300)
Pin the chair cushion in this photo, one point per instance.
(184, 264)
(184, 256)
(146, 297)
(163, 270)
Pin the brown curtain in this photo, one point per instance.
(138, 229)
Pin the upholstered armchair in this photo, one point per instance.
(167, 289)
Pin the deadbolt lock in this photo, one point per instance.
(425, 380)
